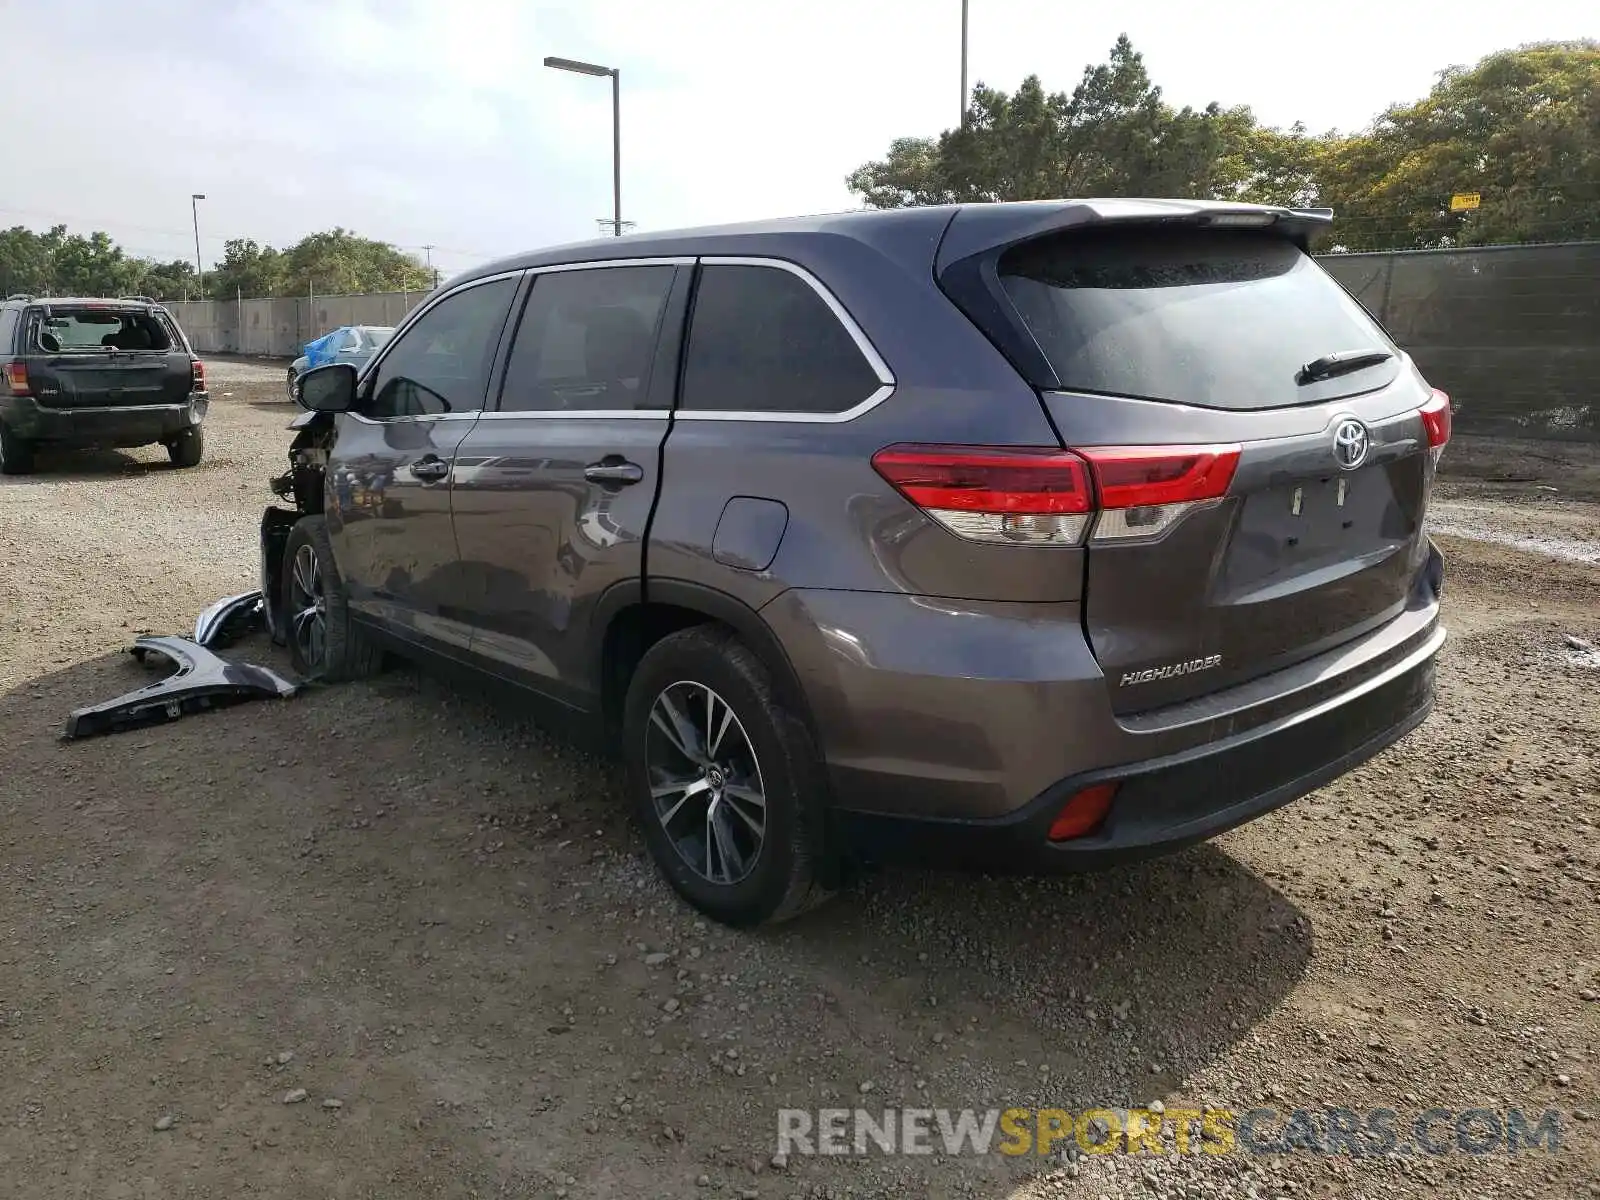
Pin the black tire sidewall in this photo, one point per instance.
(788, 774)
(187, 448)
(16, 454)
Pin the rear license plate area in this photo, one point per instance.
(1312, 517)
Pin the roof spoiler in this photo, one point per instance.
(981, 228)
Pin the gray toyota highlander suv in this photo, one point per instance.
(1027, 536)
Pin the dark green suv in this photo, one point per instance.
(85, 372)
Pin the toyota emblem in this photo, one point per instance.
(1350, 444)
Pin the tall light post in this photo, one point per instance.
(583, 68)
(963, 120)
(194, 211)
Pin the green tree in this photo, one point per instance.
(92, 266)
(340, 262)
(247, 269)
(1521, 128)
(1112, 135)
(168, 281)
(335, 262)
(27, 259)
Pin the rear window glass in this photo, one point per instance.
(1210, 318)
(67, 330)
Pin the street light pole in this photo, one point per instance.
(194, 211)
(583, 68)
(616, 152)
(963, 64)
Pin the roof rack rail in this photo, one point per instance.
(141, 299)
(19, 296)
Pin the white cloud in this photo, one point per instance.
(436, 122)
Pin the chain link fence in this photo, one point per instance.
(1511, 332)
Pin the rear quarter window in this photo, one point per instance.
(1217, 319)
(762, 339)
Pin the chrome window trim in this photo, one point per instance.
(880, 368)
(596, 414)
(658, 261)
(471, 415)
(875, 360)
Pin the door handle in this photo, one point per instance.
(613, 471)
(430, 468)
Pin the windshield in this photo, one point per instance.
(1218, 319)
(377, 335)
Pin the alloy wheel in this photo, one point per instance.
(308, 606)
(705, 782)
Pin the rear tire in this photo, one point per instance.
(187, 448)
(324, 643)
(711, 754)
(16, 454)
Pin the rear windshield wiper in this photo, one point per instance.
(1340, 362)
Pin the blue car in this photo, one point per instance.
(353, 344)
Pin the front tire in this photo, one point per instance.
(16, 454)
(725, 780)
(187, 449)
(324, 643)
(293, 384)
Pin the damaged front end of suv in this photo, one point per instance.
(303, 486)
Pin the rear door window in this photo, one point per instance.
(762, 339)
(1218, 319)
(587, 340)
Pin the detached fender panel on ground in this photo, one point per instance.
(201, 681)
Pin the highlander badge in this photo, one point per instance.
(1172, 670)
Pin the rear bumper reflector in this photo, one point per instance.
(1083, 813)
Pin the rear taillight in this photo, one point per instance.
(1436, 422)
(17, 378)
(1043, 496)
(1144, 490)
(197, 376)
(1018, 495)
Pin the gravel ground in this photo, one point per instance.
(385, 940)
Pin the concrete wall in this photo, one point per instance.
(281, 327)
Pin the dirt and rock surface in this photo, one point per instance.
(386, 940)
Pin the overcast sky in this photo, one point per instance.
(417, 121)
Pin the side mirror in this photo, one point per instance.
(328, 388)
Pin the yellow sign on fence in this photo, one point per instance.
(1465, 201)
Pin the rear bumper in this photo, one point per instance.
(945, 724)
(110, 425)
(1166, 804)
